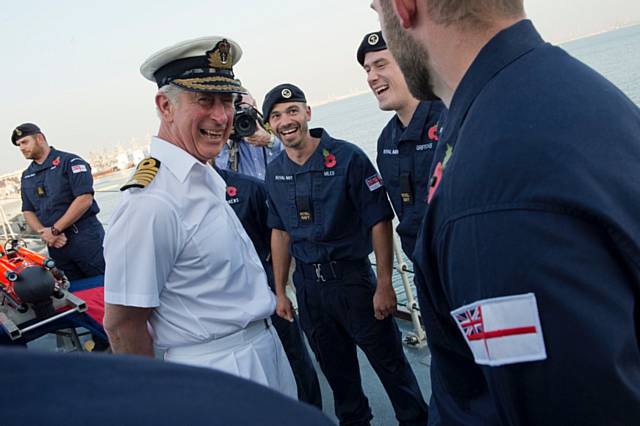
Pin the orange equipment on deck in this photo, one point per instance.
(33, 292)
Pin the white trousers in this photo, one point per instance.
(254, 353)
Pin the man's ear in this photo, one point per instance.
(406, 11)
(164, 105)
(40, 139)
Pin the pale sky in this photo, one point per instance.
(71, 66)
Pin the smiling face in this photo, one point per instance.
(290, 121)
(386, 80)
(199, 123)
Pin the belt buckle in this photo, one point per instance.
(319, 276)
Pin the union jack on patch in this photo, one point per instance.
(374, 182)
(471, 323)
(502, 330)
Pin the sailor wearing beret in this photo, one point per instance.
(182, 275)
(58, 203)
(329, 210)
(408, 141)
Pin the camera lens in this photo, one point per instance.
(245, 120)
(244, 124)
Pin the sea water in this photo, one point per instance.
(615, 54)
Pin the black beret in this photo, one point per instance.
(280, 94)
(372, 42)
(26, 129)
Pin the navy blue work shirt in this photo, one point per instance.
(530, 251)
(404, 160)
(48, 189)
(329, 204)
(247, 197)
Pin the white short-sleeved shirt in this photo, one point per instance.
(177, 246)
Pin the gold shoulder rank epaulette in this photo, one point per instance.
(145, 172)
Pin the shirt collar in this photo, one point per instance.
(177, 160)
(316, 160)
(53, 153)
(503, 49)
(415, 129)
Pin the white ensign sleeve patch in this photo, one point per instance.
(79, 168)
(504, 330)
(374, 182)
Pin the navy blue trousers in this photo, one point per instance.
(306, 378)
(292, 340)
(337, 315)
(82, 256)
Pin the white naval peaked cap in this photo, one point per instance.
(203, 64)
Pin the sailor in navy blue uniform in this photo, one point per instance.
(58, 203)
(531, 244)
(248, 198)
(408, 141)
(328, 209)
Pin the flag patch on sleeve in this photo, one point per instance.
(78, 168)
(374, 182)
(504, 330)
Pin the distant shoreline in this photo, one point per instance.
(339, 98)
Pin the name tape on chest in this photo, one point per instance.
(424, 147)
(79, 168)
(145, 172)
(283, 178)
(502, 331)
(374, 182)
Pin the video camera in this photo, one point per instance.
(245, 119)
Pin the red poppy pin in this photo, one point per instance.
(433, 133)
(329, 159)
(437, 173)
(232, 191)
(56, 162)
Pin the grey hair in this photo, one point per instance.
(172, 92)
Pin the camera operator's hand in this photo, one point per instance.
(260, 138)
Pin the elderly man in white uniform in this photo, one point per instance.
(181, 273)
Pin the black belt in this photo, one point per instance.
(334, 270)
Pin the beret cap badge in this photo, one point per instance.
(286, 93)
(18, 132)
(373, 39)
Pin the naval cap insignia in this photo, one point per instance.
(373, 39)
(286, 93)
(220, 56)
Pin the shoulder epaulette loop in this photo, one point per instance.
(145, 172)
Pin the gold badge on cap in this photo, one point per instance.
(373, 39)
(220, 56)
(18, 132)
(286, 93)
